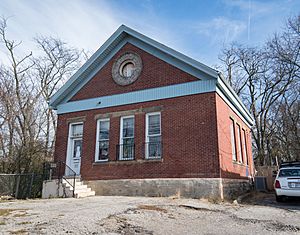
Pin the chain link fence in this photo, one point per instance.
(21, 186)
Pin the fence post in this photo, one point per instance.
(17, 186)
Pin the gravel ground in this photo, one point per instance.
(142, 215)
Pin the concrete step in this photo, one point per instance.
(81, 189)
(77, 187)
(84, 194)
(70, 182)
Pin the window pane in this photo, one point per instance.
(239, 143)
(128, 148)
(154, 124)
(232, 134)
(245, 147)
(104, 130)
(103, 150)
(77, 148)
(154, 139)
(154, 146)
(128, 127)
(128, 141)
(77, 129)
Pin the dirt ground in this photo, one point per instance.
(141, 215)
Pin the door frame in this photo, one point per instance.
(69, 154)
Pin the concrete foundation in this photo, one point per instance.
(214, 188)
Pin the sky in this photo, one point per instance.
(196, 28)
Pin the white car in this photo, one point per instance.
(287, 182)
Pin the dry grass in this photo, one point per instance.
(20, 215)
(152, 208)
(2, 223)
(24, 222)
(19, 232)
(5, 212)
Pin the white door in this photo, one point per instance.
(74, 149)
(76, 155)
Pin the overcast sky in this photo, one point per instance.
(196, 28)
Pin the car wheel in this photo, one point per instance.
(279, 198)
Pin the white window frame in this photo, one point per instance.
(233, 140)
(240, 145)
(97, 140)
(245, 146)
(155, 135)
(120, 157)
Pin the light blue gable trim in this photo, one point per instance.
(169, 59)
(233, 102)
(109, 48)
(96, 60)
(151, 50)
(92, 73)
(152, 94)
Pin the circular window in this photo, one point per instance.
(127, 68)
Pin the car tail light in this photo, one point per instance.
(277, 184)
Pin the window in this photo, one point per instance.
(239, 140)
(102, 145)
(289, 173)
(126, 147)
(76, 139)
(153, 135)
(76, 130)
(232, 134)
(245, 147)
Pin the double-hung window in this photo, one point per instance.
(153, 135)
(126, 147)
(102, 145)
(232, 135)
(245, 146)
(239, 141)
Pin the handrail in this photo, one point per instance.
(58, 170)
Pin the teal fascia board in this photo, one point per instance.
(166, 92)
(233, 101)
(111, 46)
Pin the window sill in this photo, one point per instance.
(126, 162)
(239, 163)
(101, 162)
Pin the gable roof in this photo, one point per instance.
(125, 34)
(121, 33)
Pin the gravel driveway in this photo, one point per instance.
(142, 215)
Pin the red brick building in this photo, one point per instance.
(142, 119)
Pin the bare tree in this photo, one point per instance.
(55, 64)
(27, 125)
(263, 78)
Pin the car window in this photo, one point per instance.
(289, 172)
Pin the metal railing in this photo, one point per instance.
(61, 171)
(125, 152)
(153, 150)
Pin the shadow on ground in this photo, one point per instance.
(268, 199)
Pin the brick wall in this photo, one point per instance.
(155, 73)
(230, 168)
(189, 136)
